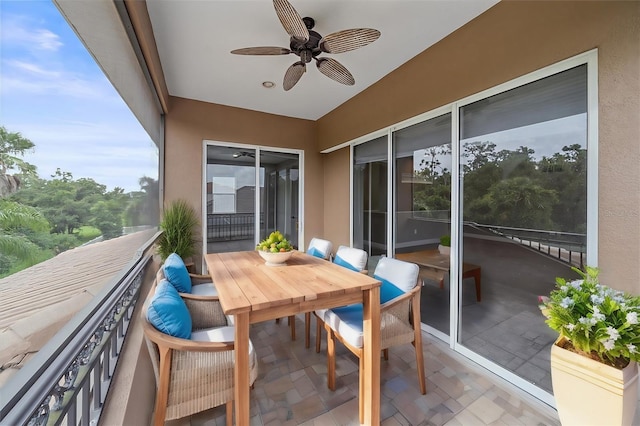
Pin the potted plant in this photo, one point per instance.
(179, 222)
(594, 369)
(445, 245)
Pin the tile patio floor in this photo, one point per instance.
(291, 388)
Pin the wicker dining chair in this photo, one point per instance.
(196, 374)
(399, 320)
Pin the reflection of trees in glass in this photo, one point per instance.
(143, 207)
(511, 188)
(436, 194)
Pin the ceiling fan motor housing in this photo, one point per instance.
(309, 50)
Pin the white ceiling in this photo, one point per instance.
(194, 40)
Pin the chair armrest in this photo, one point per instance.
(178, 344)
(199, 278)
(195, 297)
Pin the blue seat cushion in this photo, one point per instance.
(340, 261)
(388, 291)
(176, 272)
(347, 320)
(168, 313)
(315, 252)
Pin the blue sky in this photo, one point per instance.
(53, 92)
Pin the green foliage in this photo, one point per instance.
(88, 233)
(445, 240)
(178, 225)
(107, 216)
(143, 206)
(598, 320)
(69, 204)
(15, 221)
(12, 146)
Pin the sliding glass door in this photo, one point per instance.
(504, 174)
(370, 168)
(524, 221)
(237, 180)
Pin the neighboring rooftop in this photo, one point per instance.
(36, 302)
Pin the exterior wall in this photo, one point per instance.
(190, 122)
(337, 190)
(509, 40)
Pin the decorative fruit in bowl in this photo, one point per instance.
(275, 249)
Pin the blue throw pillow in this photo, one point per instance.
(340, 261)
(388, 291)
(176, 272)
(168, 313)
(315, 252)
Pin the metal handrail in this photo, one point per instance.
(68, 379)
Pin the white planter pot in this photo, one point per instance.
(588, 392)
(444, 249)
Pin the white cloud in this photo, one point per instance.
(17, 32)
(20, 77)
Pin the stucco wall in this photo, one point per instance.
(509, 40)
(190, 122)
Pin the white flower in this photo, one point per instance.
(597, 315)
(632, 317)
(608, 344)
(613, 333)
(597, 299)
(570, 327)
(631, 347)
(576, 284)
(587, 321)
(567, 302)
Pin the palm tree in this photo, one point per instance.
(15, 217)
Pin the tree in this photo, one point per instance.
(143, 206)
(13, 145)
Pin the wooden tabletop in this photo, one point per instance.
(246, 283)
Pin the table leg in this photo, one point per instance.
(477, 277)
(241, 370)
(371, 356)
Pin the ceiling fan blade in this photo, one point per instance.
(262, 50)
(346, 40)
(291, 20)
(335, 71)
(293, 74)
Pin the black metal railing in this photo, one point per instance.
(230, 226)
(67, 381)
(568, 247)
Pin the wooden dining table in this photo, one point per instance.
(253, 292)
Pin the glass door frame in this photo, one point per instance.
(258, 149)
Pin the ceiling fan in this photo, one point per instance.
(308, 45)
